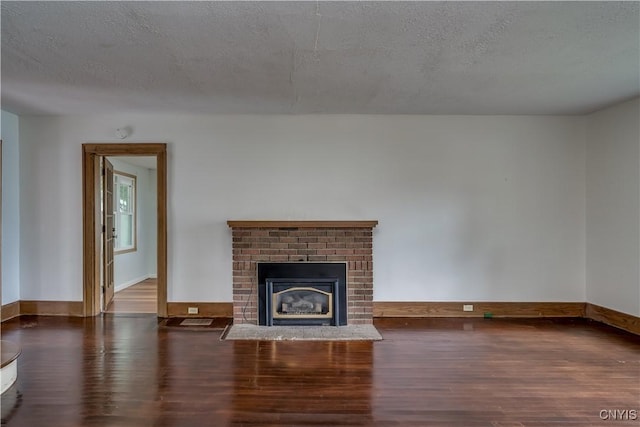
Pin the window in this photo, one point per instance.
(124, 205)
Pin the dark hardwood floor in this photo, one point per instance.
(122, 370)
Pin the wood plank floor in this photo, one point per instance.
(122, 370)
(139, 298)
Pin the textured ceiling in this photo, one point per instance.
(319, 57)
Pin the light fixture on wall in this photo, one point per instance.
(123, 132)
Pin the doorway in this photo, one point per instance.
(129, 267)
(92, 220)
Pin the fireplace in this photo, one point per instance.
(302, 293)
(300, 299)
(345, 243)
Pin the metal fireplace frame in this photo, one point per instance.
(303, 273)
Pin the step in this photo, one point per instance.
(9, 352)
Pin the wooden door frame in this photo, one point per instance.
(91, 221)
(1, 226)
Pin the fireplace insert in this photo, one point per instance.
(302, 294)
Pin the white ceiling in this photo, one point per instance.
(319, 57)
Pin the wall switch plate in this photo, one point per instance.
(192, 310)
(467, 307)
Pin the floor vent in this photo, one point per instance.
(196, 322)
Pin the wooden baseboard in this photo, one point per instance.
(74, 309)
(205, 309)
(480, 309)
(595, 312)
(52, 308)
(611, 317)
(9, 311)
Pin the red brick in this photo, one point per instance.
(354, 245)
(278, 233)
(317, 245)
(241, 295)
(362, 251)
(270, 251)
(307, 239)
(266, 240)
(336, 245)
(326, 251)
(307, 251)
(297, 246)
(345, 251)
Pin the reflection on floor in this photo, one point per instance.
(139, 298)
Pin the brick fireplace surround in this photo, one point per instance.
(350, 242)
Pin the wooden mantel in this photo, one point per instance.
(302, 224)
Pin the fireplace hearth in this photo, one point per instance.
(302, 293)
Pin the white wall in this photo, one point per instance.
(9, 133)
(133, 267)
(470, 207)
(613, 208)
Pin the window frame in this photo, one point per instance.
(117, 215)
